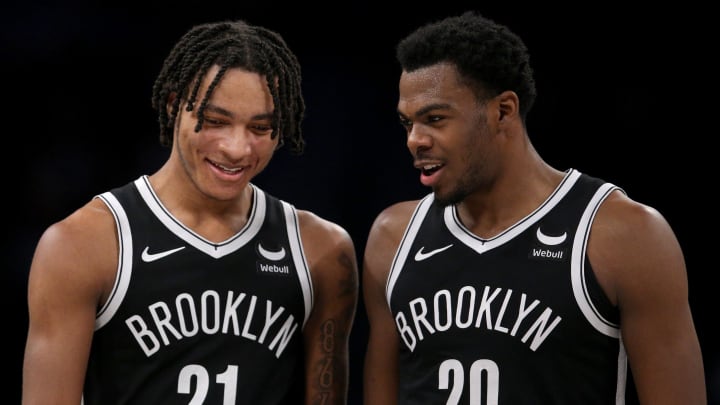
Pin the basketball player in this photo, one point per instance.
(192, 285)
(514, 282)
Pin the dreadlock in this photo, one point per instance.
(230, 44)
(488, 55)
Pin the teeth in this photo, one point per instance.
(228, 169)
(430, 167)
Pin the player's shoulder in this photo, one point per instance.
(395, 216)
(314, 227)
(402, 208)
(79, 244)
(630, 232)
(82, 225)
(326, 245)
(620, 212)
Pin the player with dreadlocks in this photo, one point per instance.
(192, 285)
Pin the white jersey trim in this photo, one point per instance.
(125, 260)
(622, 374)
(298, 254)
(215, 250)
(577, 269)
(481, 245)
(406, 243)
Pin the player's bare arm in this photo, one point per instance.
(638, 261)
(71, 273)
(380, 372)
(333, 264)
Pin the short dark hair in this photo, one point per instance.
(231, 44)
(487, 54)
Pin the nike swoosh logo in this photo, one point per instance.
(270, 255)
(151, 257)
(550, 240)
(420, 255)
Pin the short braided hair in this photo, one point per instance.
(231, 44)
(488, 55)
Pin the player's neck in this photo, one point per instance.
(509, 199)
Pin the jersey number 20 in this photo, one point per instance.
(454, 368)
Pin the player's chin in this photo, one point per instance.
(444, 197)
(224, 188)
(225, 193)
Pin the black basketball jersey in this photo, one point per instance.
(190, 321)
(515, 319)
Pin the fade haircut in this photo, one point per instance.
(488, 56)
(230, 44)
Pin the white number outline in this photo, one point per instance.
(477, 368)
(228, 379)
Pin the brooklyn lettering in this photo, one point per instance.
(211, 314)
(465, 311)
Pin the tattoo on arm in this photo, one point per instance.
(328, 347)
(327, 374)
(332, 363)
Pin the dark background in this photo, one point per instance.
(623, 95)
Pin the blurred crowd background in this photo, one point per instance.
(623, 95)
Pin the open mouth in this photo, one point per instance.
(428, 170)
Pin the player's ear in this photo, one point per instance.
(508, 104)
(170, 101)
